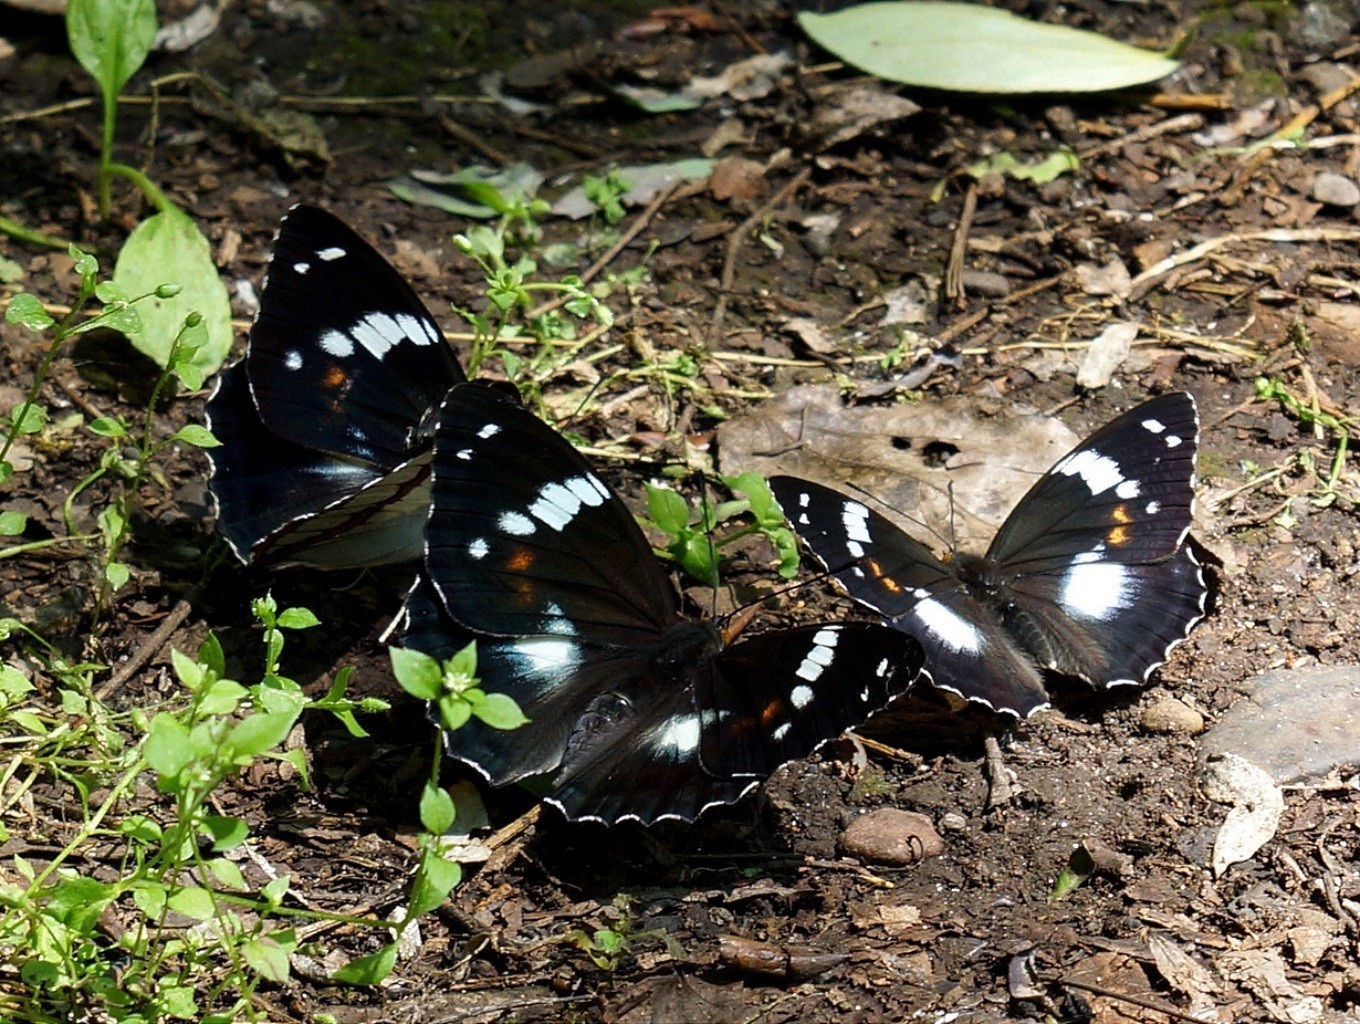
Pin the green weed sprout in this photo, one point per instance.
(453, 689)
(692, 542)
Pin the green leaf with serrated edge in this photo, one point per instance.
(418, 674)
(111, 38)
(196, 435)
(170, 242)
(972, 48)
(12, 523)
(436, 809)
(500, 711)
(26, 311)
(297, 618)
(368, 970)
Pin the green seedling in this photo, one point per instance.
(176, 848)
(1079, 867)
(453, 689)
(692, 540)
(1322, 424)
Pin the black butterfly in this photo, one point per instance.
(326, 424)
(1089, 576)
(635, 712)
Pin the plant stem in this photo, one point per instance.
(28, 236)
(149, 188)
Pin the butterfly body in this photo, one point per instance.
(635, 712)
(1089, 576)
(326, 424)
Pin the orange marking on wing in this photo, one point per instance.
(335, 378)
(771, 712)
(1118, 537)
(1120, 514)
(876, 570)
(521, 560)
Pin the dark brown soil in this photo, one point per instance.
(843, 941)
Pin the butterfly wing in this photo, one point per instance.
(966, 648)
(344, 358)
(525, 539)
(1098, 582)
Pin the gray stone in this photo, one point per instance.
(1336, 190)
(891, 836)
(1296, 724)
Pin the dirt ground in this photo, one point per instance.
(803, 224)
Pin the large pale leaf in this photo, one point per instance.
(168, 248)
(111, 38)
(968, 48)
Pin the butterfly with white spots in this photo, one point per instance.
(1089, 576)
(326, 425)
(635, 713)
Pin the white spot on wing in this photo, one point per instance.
(588, 489)
(781, 732)
(1172, 441)
(1095, 590)
(555, 621)
(463, 453)
(948, 626)
(335, 343)
(816, 660)
(1128, 489)
(855, 519)
(490, 430)
(557, 504)
(800, 696)
(884, 667)
(333, 252)
(855, 548)
(516, 524)
(1098, 472)
(1153, 426)
(301, 267)
(292, 359)
(478, 549)
(680, 734)
(1153, 507)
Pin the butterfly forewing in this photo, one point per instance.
(344, 358)
(525, 538)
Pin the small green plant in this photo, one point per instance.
(119, 311)
(692, 542)
(174, 851)
(453, 689)
(1332, 482)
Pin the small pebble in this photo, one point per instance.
(1166, 714)
(1336, 190)
(985, 282)
(953, 821)
(890, 836)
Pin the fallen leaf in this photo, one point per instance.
(1257, 806)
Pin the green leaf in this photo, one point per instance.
(258, 733)
(1041, 172)
(418, 674)
(26, 311)
(221, 697)
(197, 435)
(28, 420)
(192, 901)
(227, 833)
(368, 970)
(77, 902)
(500, 711)
(12, 523)
(227, 873)
(1079, 867)
(667, 510)
(111, 38)
(187, 670)
(169, 242)
(266, 958)
(437, 812)
(297, 618)
(971, 48)
(176, 1001)
(454, 711)
(108, 426)
(117, 574)
(168, 748)
(13, 684)
(433, 883)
